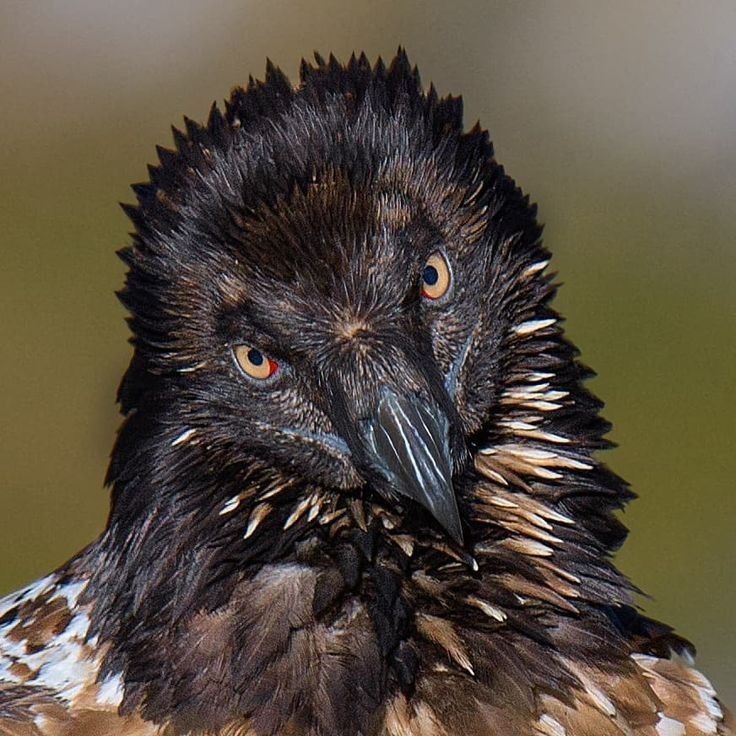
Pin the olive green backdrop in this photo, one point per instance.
(618, 118)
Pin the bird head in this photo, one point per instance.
(335, 292)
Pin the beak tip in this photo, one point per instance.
(408, 444)
(449, 516)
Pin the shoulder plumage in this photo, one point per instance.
(49, 666)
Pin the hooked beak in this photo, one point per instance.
(407, 441)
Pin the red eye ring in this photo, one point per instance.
(254, 363)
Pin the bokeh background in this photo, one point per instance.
(619, 119)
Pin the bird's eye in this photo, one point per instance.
(254, 363)
(436, 277)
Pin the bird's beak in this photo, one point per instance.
(407, 442)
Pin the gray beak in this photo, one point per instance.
(407, 441)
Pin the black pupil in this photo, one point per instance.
(255, 356)
(430, 275)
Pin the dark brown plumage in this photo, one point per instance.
(355, 490)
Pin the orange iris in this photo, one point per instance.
(254, 363)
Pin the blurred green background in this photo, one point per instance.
(618, 118)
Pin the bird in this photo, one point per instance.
(356, 490)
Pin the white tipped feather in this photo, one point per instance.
(183, 437)
(669, 727)
(258, 514)
(533, 325)
(703, 722)
(549, 726)
(536, 268)
(111, 691)
(298, 512)
(489, 610)
(230, 505)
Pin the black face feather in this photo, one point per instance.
(256, 522)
